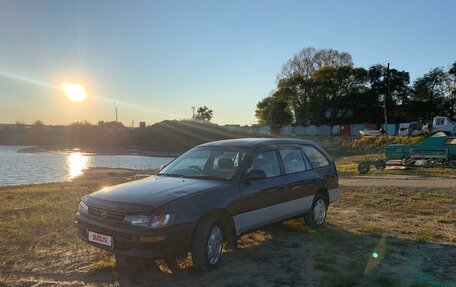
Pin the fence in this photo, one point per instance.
(312, 130)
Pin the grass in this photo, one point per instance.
(102, 265)
(423, 284)
(418, 211)
(386, 281)
(39, 222)
(325, 263)
(370, 227)
(37, 216)
(342, 279)
(3, 282)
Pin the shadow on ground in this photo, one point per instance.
(284, 254)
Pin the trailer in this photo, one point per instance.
(438, 150)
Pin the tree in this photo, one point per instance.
(433, 90)
(395, 87)
(342, 92)
(38, 123)
(308, 60)
(330, 96)
(452, 70)
(204, 114)
(274, 111)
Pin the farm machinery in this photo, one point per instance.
(438, 150)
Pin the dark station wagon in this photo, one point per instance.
(210, 195)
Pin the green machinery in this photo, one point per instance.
(437, 150)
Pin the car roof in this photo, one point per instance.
(256, 142)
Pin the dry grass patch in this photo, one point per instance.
(386, 221)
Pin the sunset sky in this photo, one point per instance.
(157, 59)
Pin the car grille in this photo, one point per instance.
(106, 214)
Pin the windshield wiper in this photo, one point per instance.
(208, 177)
(171, 174)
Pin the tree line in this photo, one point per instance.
(323, 87)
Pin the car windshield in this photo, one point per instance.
(206, 162)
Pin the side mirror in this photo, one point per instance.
(254, 174)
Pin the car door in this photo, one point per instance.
(323, 167)
(300, 180)
(258, 198)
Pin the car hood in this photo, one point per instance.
(147, 194)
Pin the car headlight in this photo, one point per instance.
(156, 221)
(138, 220)
(83, 208)
(161, 220)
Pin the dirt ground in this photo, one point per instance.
(399, 181)
(389, 231)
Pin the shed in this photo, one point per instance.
(324, 130)
(299, 130)
(311, 130)
(336, 130)
(345, 130)
(355, 129)
(286, 131)
(370, 126)
(265, 130)
(390, 129)
(233, 128)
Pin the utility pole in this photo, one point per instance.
(193, 115)
(385, 115)
(116, 111)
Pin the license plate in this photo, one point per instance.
(99, 238)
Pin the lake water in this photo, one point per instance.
(31, 168)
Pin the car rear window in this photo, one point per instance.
(292, 160)
(316, 158)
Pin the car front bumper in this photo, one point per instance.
(139, 242)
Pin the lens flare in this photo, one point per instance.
(74, 91)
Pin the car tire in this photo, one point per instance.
(207, 244)
(363, 167)
(316, 216)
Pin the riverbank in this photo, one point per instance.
(97, 151)
(46, 167)
(411, 230)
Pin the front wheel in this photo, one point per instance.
(316, 216)
(207, 245)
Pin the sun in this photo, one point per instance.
(74, 91)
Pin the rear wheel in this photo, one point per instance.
(380, 164)
(207, 244)
(363, 167)
(317, 214)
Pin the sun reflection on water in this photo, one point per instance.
(76, 163)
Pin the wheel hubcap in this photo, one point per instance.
(320, 211)
(214, 245)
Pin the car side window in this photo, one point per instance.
(225, 164)
(316, 158)
(292, 160)
(266, 161)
